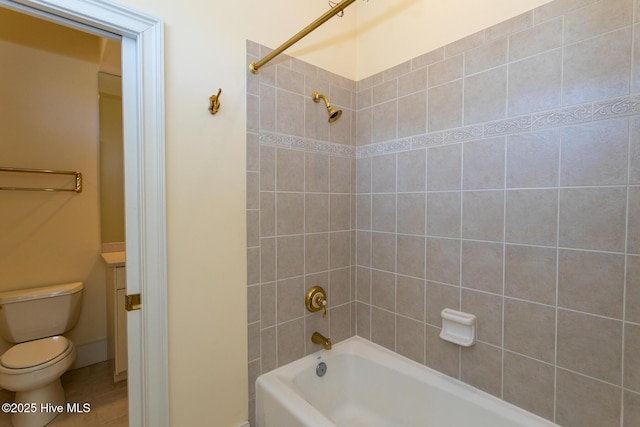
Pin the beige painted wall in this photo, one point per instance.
(111, 159)
(49, 120)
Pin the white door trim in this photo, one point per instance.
(145, 211)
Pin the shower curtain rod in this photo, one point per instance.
(255, 66)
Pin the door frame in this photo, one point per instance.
(142, 39)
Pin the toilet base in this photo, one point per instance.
(47, 400)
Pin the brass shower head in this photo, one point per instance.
(333, 113)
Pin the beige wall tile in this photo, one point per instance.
(444, 168)
(289, 294)
(383, 174)
(316, 172)
(340, 286)
(384, 121)
(532, 217)
(253, 228)
(445, 71)
(267, 168)
(632, 357)
(485, 96)
(529, 329)
(483, 215)
(253, 266)
(290, 170)
(411, 213)
(481, 366)
(316, 252)
(483, 164)
(289, 213)
(412, 114)
(383, 290)
(339, 212)
(290, 113)
(535, 83)
(267, 108)
(635, 77)
(339, 249)
(633, 221)
(340, 174)
(411, 255)
(363, 248)
(490, 55)
(597, 18)
(529, 384)
(291, 341)
(289, 256)
(316, 213)
(412, 82)
(385, 91)
(439, 297)
(533, 159)
(410, 297)
(443, 260)
(632, 298)
(410, 338)
(583, 401)
(631, 409)
(340, 328)
(269, 347)
(595, 153)
(445, 106)
(597, 68)
(440, 354)
(364, 127)
(411, 170)
(590, 345)
(488, 310)
(482, 266)
(538, 39)
(253, 303)
(383, 328)
(592, 282)
(267, 260)
(530, 273)
(383, 212)
(593, 218)
(383, 251)
(444, 214)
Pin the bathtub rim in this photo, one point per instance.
(280, 382)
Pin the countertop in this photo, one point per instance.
(114, 259)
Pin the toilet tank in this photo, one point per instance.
(29, 314)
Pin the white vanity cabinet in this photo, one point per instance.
(116, 314)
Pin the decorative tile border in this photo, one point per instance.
(306, 144)
(567, 116)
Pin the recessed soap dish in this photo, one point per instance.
(458, 327)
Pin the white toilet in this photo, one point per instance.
(33, 319)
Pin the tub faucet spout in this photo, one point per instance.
(320, 339)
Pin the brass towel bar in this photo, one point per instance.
(78, 181)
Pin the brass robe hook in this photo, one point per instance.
(214, 102)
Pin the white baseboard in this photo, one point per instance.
(244, 424)
(91, 353)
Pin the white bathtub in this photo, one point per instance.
(366, 385)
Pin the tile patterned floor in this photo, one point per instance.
(91, 384)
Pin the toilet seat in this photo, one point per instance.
(34, 355)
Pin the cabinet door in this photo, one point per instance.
(121, 277)
(121, 331)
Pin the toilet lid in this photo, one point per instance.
(33, 353)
